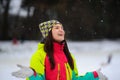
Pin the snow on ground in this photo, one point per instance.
(88, 55)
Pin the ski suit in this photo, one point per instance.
(62, 71)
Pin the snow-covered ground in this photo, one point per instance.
(88, 55)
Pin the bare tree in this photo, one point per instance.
(5, 25)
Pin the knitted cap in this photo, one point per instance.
(45, 27)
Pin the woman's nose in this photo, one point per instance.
(61, 29)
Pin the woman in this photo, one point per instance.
(52, 60)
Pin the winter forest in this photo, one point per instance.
(92, 29)
(84, 19)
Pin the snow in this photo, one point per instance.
(15, 8)
(89, 55)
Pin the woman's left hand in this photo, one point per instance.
(101, 75)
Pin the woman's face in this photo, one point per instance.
(58, 32)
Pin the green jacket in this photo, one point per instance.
(37, 63)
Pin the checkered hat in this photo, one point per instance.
(45, 27)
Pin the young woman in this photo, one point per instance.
(52, 60)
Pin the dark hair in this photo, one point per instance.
(49, 50)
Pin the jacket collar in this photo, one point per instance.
(58, 46)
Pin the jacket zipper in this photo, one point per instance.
(58, 76)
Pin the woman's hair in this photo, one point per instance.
(49, 50)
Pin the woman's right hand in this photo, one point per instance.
(23, 72)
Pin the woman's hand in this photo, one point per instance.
(101, 76)
(23, 72)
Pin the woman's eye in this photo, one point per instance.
(56, 28)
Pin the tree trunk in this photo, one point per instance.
(5, 21)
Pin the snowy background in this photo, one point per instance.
(88, 55)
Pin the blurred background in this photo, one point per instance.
(83, 19)
(92, 29)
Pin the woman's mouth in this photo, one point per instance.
(60, 34)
